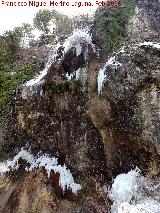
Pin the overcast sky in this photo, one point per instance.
(15, 16)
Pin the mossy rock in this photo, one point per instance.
(64, 86)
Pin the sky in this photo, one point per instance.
(11, 17)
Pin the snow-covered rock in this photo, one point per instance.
(133, 193)
(66, 180)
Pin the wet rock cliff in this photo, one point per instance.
(98, 120)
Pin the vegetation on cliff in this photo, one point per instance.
(112, 22)
(10, 80)
(11, 74)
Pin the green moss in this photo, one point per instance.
(64, 86)
(112, 24)
(9, 82)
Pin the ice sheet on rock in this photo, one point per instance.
(78, 74)
(133, 193)
(146, 206)
(102, 77)
(85, 79)
(66, 180)
(38, 78)
(77, 39)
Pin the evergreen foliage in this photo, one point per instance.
(9, 82)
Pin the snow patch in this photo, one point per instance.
(69, 77)
(133, 193)
(146, 206)
(66, 180)
(74, 76)
(81, 72)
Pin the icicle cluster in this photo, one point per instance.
(66, 180)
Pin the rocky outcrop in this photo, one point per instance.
(152, 11)
(37, 56)
(67, 120)
(34, 193)
(98, 120)
(56, 122)
(132, 87)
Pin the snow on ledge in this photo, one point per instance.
(151, 44)
(133, 193)
(66, 180)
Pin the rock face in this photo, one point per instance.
(152, 10)
(34, 193)
(1, 133)
(56, 122)
(132, 87)
(145, 23)
(97, 136)
(135, 85)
